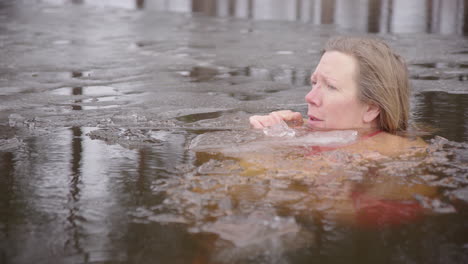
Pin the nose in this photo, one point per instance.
(314, 96)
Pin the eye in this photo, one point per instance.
(313, 82)
(331, 87)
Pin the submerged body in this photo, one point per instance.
(331, 180)
(387, 145)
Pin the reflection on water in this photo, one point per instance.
(440, 110)
(75, 183)
(299, 77)
(98, 94)
(286, 75)
(384, 16)
(89, 90)
(439, 70)
(69, 184)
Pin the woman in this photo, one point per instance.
(359, 83)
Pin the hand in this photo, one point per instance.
(290, 117)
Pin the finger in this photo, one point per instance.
(288, 114)
(292, 116)
(296, 116)
(276, 118)
(255, 122)
(296, 120)
(282, 113)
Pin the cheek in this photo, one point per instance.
(343, 112)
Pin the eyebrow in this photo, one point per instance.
(327, 78)
(331, 81)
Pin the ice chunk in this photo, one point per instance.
(255, 228)
(326, 138)
(223, 139)
(279, 130)
(15, 120)
(460, 194)
(318, 138)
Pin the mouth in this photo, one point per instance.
(315, 122)
(313, 118)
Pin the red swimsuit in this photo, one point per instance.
(376, 212)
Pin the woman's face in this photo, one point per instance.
(333, 100)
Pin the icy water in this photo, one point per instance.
(124, 135)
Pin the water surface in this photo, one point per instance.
(124, 135)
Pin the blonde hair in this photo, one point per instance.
(382, 79)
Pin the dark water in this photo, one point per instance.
(124, 135)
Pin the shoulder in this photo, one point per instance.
(391, 145)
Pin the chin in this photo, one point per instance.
(317, 125)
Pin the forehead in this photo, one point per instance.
(337, 65)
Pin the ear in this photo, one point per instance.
(371, 113)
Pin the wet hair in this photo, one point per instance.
(382, 79)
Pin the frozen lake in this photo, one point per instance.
(124, 135)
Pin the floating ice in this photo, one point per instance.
(326, 138)
(318, 138)
(160, 135)
(277, 136)
(284, 52)
(15, 119)
(223, 139)
(62, 42)
(460, 195)
(255, 228)
(279, 130)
